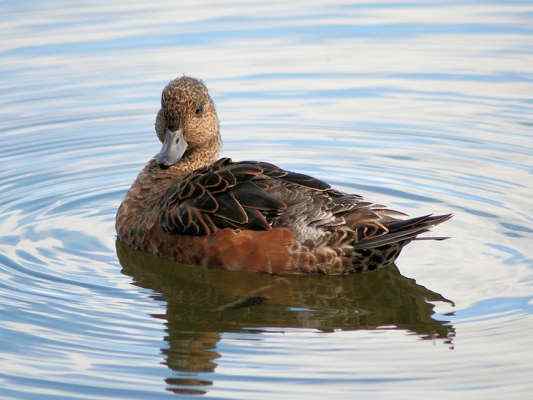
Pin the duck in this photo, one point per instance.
(192, 207)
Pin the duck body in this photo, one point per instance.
(188, 206)
(255, 216)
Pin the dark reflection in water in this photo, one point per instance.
(202, 304)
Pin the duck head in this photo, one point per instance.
(187, 125)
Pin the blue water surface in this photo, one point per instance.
(425, 106)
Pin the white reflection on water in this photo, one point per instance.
(425, 106)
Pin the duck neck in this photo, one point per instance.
(198, 157)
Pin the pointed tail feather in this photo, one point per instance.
(432, 238)
(404, 231)
(423, 221)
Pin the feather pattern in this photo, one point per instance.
(261, 196)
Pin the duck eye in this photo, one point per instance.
(199, 109)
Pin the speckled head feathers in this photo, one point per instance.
(186, 104)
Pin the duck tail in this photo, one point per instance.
(403, 231)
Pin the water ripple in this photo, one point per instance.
(423, 107)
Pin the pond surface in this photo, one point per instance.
(423, 106)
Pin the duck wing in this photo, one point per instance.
(261, 196)
(239, 195)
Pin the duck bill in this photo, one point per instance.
(174, 146)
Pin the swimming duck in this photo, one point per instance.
(190, 206)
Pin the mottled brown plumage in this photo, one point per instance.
(249, 215)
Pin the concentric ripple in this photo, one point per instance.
(423, 107)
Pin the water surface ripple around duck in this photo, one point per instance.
(423, 106)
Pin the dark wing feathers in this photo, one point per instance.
(252, 196)
(206, 202)
(257, 195)
(306, 181)
(226, 194)
(257, 220)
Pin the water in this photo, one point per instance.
(424, 106)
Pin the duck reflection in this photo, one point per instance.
(202, 304)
